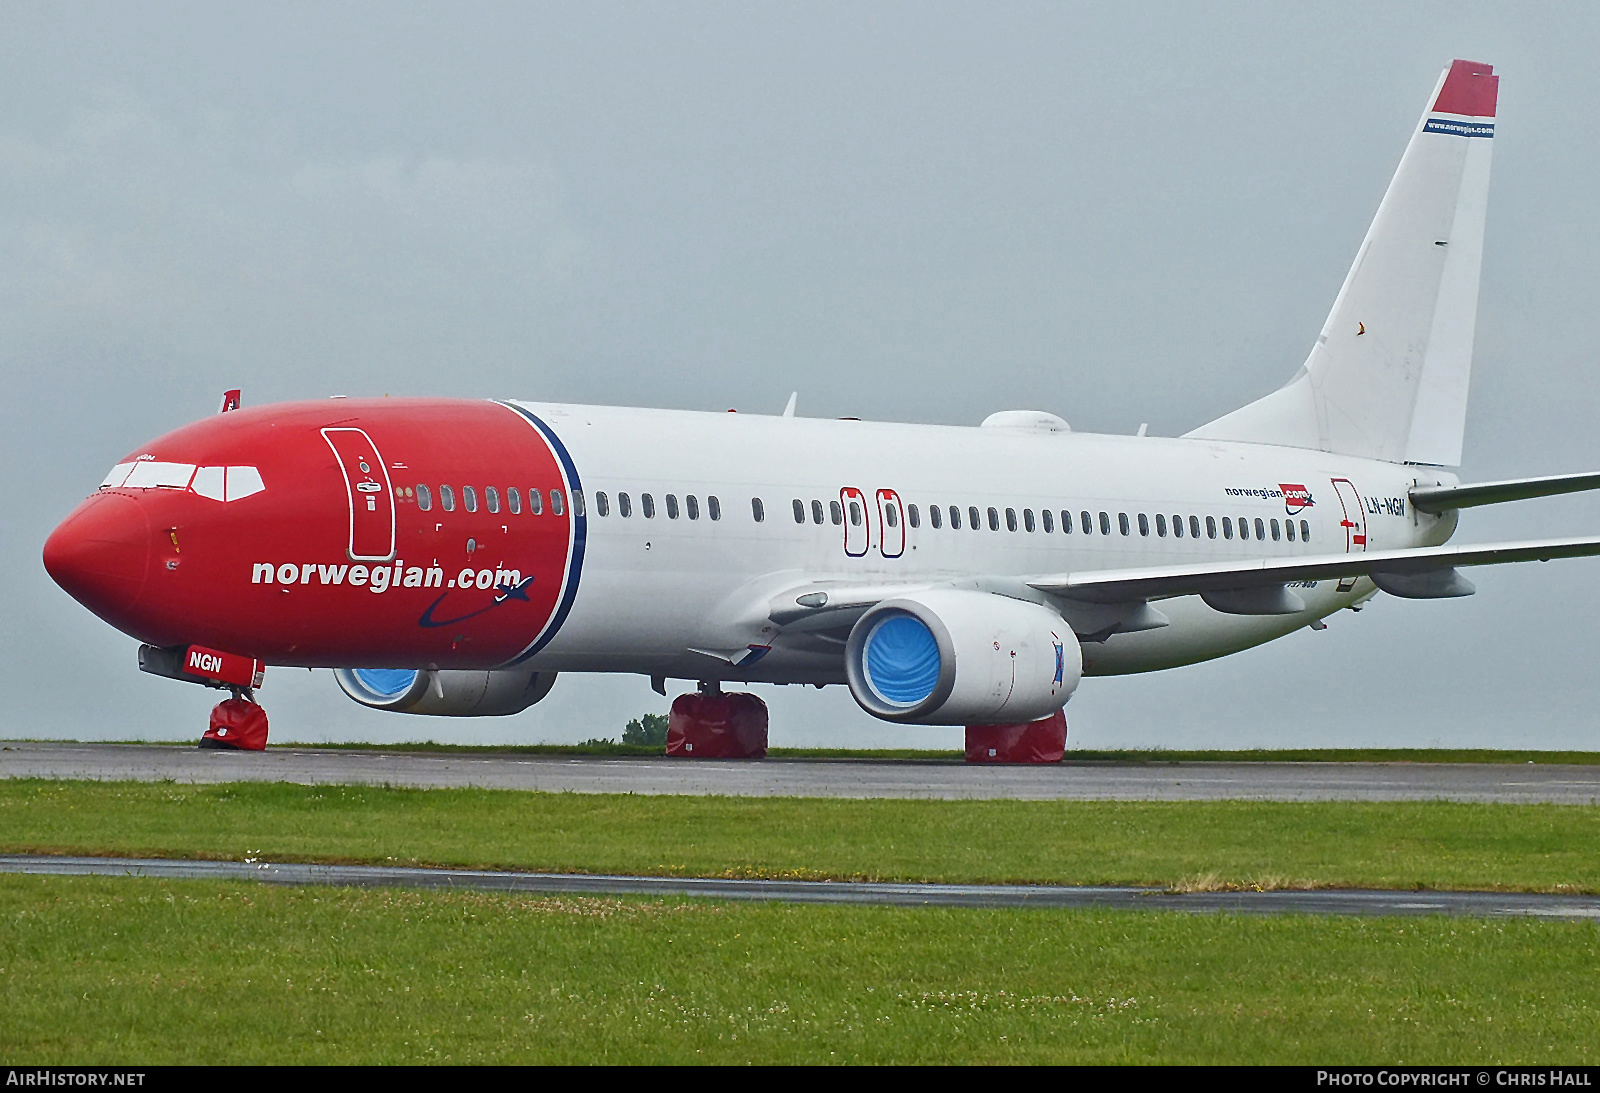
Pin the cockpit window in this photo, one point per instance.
(216, 483)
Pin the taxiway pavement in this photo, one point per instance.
(1084, 781)
(1333, 901)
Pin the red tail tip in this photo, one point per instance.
(1469, 90)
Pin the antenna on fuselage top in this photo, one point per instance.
(788, 410)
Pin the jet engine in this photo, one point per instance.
(950, 657)
(445, 693)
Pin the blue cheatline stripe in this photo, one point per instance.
(1455, 128)
(386, 682)
(902, 660)
(580, 536)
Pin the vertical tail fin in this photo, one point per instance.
(1388, 376)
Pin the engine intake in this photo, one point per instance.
(949, 657)
(445, 693)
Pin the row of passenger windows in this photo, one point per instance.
(835, 513)
(1046, 520)
(491, 499)
(647, 505)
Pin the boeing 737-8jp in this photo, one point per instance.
(452, 556)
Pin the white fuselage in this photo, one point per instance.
(679, 597)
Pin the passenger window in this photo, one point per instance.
(602, 503)
(577, 502)
(556, 506)
(855, 514)
(469, 498)
(672, 506)
(935, 516)
(1144, 524)
(799, 511)
(974, 521)
(624, 506)
(1275, 535)
(1305, 532)
(691, 507)
(835, 513)
(647, 506)
(913, 517)
(1211, 527)
(955, 518)
(1261, 529)
(1084, 519)
(1027, 520)
(994, 519)
(1288, 529)
(816, 512)
(891, 515)
(424, 502)
(713, 507)
(1011, 519)
(758, 511)
(1049, 521)
(1161, 525)
(1244, 527)
(514, 500)
(1227, 528)
(1122, 522)
(535, 501)
(1194, 527)
(491, 497)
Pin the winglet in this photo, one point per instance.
(230, 401)
(1470, 90)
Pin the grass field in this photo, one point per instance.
(1181, 844)
(137, 971)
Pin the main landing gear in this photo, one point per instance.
(1043, 741)
(711, 724)
(238, 722)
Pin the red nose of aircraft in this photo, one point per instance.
(101, 554)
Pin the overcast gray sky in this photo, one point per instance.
(921, 212)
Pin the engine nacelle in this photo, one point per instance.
(949, 657)
(445, 693)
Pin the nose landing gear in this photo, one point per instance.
(238, 722)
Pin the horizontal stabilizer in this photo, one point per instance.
(1445, 498)
(1154, 582)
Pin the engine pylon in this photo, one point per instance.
(711, 724)
(237, 723)
(1042, 741)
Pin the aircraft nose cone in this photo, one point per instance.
(101, 554)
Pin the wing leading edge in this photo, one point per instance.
(1420, 573)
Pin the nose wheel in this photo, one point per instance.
(237, 723)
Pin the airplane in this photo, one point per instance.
(452, 556)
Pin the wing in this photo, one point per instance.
(1420, 573)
